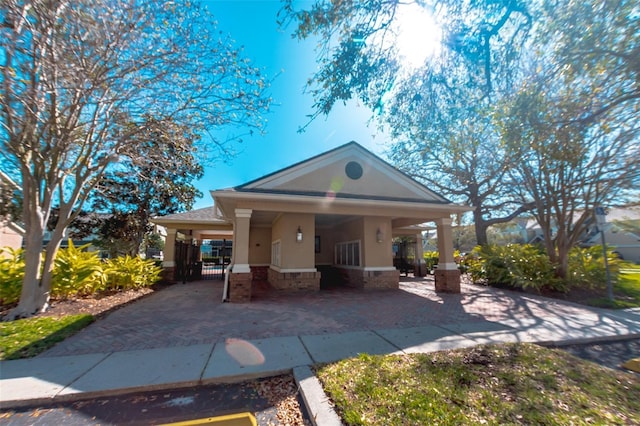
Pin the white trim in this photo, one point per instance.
(449, 266)
(243, 213)
(446, 208)
(276, 253)
(241, 268)
(168, 263)
(379, 268)
(225, 290)
(445, 221)
(346, 152)
(292, 270)
(14, 226)
(345, 244)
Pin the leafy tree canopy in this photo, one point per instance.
(156, 179)
(437, 112)
(525, 105)
(79, 81)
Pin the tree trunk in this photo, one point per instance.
(32, 297)
(482, 224)
(50, 256)
(36, 285)
(481, 227)
(562, 260)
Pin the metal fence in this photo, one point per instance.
(192, 266)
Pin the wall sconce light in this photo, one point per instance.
(379, 236)
(299, 235)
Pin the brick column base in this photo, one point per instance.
(371, 280)
(169, 274)
(240, 287)
(260, 273)
(447, 281)
(294, 281)
(381, 279)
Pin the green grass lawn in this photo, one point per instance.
(626, 291)
(26, 338)
(496, 384)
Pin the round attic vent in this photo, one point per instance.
(353, 170)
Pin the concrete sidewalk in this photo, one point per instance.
(48, 379)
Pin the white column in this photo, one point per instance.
(446, 261)
(169, 252)
(241, 226)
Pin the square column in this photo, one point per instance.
(447, 276)
(420, 267)
(169, 256)
(240, 278)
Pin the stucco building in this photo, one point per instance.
(333, 215)
(11, 232)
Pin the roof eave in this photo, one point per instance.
(268, 196)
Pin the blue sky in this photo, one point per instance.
(253, 25)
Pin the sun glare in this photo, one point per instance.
(418, 35)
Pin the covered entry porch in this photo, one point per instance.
(298, 251)
(335, 215)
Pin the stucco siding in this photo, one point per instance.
(377, 254)
(9, 237)
(327, 241)
(294, 254)
(260, 246)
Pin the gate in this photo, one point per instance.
(192, 265)
(404, 250)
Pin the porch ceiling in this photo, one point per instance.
(266, 218)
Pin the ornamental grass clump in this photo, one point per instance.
(126, 272)
(11, 275)
(77, 272)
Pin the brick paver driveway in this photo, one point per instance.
(192, 313)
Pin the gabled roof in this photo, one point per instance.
(6, 179)
(349, 171)
(206, 215)
(15, 227)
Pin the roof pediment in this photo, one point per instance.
(349, 171)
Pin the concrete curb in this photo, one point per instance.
(320, 410)
(587, 340)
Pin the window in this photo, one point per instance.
(275, 253)
(348, 253)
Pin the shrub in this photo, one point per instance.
(586, 267)
(461, 260)
(11, 275)
(430, 259)
(76, 272)
(124, 273)
(514, 266)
